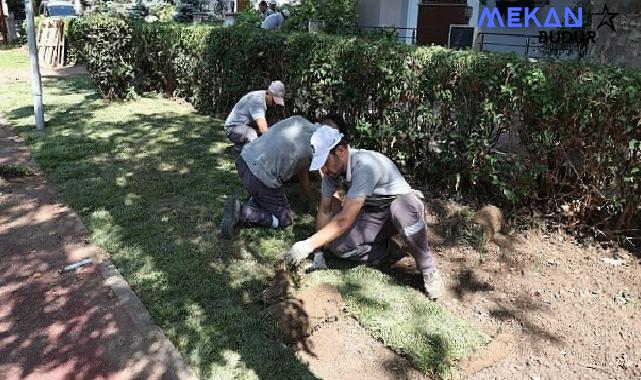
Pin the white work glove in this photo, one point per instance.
(299, 252)
(318, 263)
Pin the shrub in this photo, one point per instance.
(106, 47)
(564, 137)
(340, 16)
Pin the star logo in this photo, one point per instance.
(606, 18)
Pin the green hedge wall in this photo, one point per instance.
(562, 136)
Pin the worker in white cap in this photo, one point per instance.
(378, 204)
(247, 118)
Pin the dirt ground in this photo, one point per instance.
(572, 315)
(554, 308)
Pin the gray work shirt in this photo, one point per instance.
(249, 108)
(369, 175)
(273, 21)
(281, 152)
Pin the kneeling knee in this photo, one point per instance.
(284, 221)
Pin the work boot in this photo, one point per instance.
(434, 287)
(231, 217)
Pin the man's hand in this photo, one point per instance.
(299, 252)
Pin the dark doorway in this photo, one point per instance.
(434, 20)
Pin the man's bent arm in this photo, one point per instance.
(339, 224)
(324, 214)
(262, 125)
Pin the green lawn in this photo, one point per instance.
(14, 59)
(149, 178)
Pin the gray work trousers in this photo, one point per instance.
(264, 203)
(240, 135)
(366, 240)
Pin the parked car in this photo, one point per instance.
(58, 8)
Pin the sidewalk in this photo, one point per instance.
(82, 324)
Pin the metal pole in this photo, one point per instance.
(36, 84)
(3, 26)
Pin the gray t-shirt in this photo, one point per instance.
(273, 21)
(249, 108)
(281, 152)
(369, 175)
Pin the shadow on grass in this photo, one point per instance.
(149, 180)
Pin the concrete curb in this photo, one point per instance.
(139, 315)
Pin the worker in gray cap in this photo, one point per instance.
(247, 118)
(264, 165)
(276, 20)
(378, 204)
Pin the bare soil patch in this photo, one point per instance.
(334, 345)
(571, 311)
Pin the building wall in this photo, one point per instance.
(369, 12)
(409, 17)
(390, 13)
(498, 43)
(622, 48)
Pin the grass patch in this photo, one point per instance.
(404, 319)
(14, 58)
(149, 178)
(14, 171)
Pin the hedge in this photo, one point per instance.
(563, 137)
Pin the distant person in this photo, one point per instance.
(264, 10)
(272, 6)
(275, 21)
(247, 118)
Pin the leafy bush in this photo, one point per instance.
(185, 10)
(106, 47)
(564, 137)
(339, 15)
(248, 18)
(165, 13)
(170, 58)
(138, 10)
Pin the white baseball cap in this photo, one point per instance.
(324, 139)
(286, 13)
(277, 88)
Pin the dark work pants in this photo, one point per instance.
(241, 135)
(365, 241)
(264, 201)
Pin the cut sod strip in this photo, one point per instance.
(404, 319)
